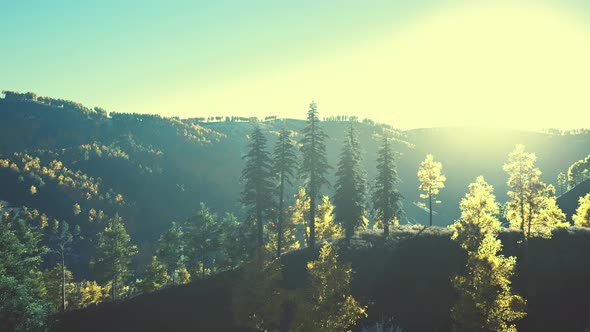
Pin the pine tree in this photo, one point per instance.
(61, 240)
(387, 200)
(314, 165)
(532, 208)
(112, 260)
(238, 240)
(431, 180)
(202, 237)
(257, 176)
(582, 216)
(155, 276)
(328, 306)
(59, 286)
(171, 250)
(351, 186)
(485, 302)
(284, 164)
(561, 181)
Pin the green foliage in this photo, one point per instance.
(478, 216)
(258, 299)
(284, 164)
(431, 180)
(22, 303)
(203, 236)
(387, 200)
(171, 250)
(112, 260)
(257, 176)
(486, 302)
(582, 216)
(351, 187)
(533, 207)
(155, 276)
(56, 280)
(314, 165)
(328, 305)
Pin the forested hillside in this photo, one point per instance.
(105, 206)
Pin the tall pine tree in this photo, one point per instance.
(351, 187)
(284, 163)
(114, 250)
(315, 163)
(386, 197)
(257, 176)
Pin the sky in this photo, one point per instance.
(412, 64)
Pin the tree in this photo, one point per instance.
(61, 240)
(202, 238)
(284, 163)
(155, 276)
(90, 293)
(257, 295)
(314, 165)
(22, 305)
(431, 180)
(300, 213)
(485, 302)
(59, 287)
(328, 306)
(237, 240)
(582, 216)
(532, 208)
(479, 212)
(561, 181)
(326, 228)
(351, 187)
(171, 250)
(112, 260)
(257, 175)
(387, 200)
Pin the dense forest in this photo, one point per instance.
(324, 224)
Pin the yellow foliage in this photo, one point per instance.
(431, 179)
(33, 190)
(582, 216)
(91, 293)
(325, 228)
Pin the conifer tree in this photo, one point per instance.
(328, 305)
(351, 186)
(202, 237)
(59, 286)
(155, 276)
(258, 186)
(533, 208)
(284, 164)
(387, 202)
(112, 260)
(431, 180)
(582, 216)
(171, 250)
(61, 240)
(314, 165)
(485, 302)
(561, 181)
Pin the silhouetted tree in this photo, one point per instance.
(387, 202)
(284, 164)
(315, 164)
(351, 187)
(257, 176)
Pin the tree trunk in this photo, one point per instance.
(430, 202)
(281, 215)
(259, 225)
(386, 225)
(311, 243)
(63, 282)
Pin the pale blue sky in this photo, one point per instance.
(192, 58)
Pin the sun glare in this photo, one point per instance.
(499, 64)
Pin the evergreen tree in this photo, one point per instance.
(284, 164)
(203, 239)
(561, 181)
(328, 305)
(351, 186)
(485, 302)
(314, 165)
(61, 240)
(533, 208)
(171, 250)
(258, 187)
(60, 288)
(22, 305)
(112, 260)
(582, 216)
(326, 228)
(155, 276)
(238, 240)
(431, 180)
(387, 200)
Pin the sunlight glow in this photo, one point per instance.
(492, 64)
